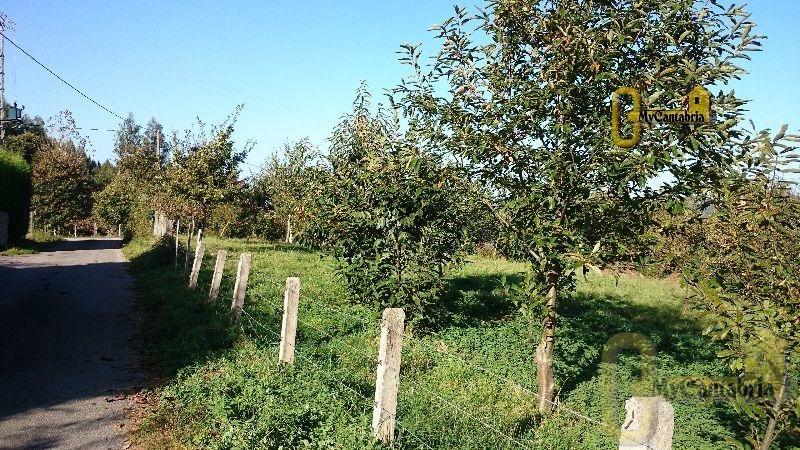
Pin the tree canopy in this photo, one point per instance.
(520, 93)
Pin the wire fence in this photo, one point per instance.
(339, 381)
(264, 302)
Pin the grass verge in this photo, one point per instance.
(469, 384)
(32, 244)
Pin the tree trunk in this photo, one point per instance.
(770, 434)
(289, 235)
(544, 351)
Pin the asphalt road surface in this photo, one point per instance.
(67, 357)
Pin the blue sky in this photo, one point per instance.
(294, 64)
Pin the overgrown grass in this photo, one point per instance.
(468, 384)
(33, 244)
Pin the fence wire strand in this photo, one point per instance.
(360, 320)
(557, 404)
(339, 381)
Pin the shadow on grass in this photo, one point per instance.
(25, 246)
(182, 328)
(470, 301)
(586, 322)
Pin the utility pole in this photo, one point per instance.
(2, 79)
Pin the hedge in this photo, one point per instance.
(15, 192)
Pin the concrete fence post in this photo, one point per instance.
(389, 353)
(242, 273)
(219, 267)
(291, 298)
(31, 227)
(189, 234)
(199, 252)
(649, 424)
(177, 241)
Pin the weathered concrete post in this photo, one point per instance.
(31, 228)
(199, 252)
(219, 267)
(389, 353)
(177, 241)
(649, 424)
(157, 224)
(239, 289)
(119, 230)
(189, 234)
(291, 298)
(162, 226)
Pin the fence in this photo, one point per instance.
(386, 426)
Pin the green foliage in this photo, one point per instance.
(390, 214)
(31, 244)
(62, 185)
(15, 191)
(520, 94)
(138, 178)
(114, 204)
(535, 125)
(286, 190)
(226, 218)
(744, 269)
(222, 386)
(136, 155)
(102, 174)
(34, 126)
(25, 144)
(203, 173)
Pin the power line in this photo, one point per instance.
(59, 78)
(94, 129)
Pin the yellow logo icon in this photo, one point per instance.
(698, 112)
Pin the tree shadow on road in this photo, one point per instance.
(67, 330)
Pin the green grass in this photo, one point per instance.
(467, 384)
(33, 244)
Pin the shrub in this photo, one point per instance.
(745, 275)
(62, 185)
(114, 204)
(391, 215)
(15, 191)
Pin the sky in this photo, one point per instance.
(295, 65)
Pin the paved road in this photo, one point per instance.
(67, 322)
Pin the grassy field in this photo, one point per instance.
(33, 244)
(468, 383)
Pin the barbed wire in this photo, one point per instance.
(475, 366)
(452, 405)
(339, 381)
(317, 302)
(491, 372)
